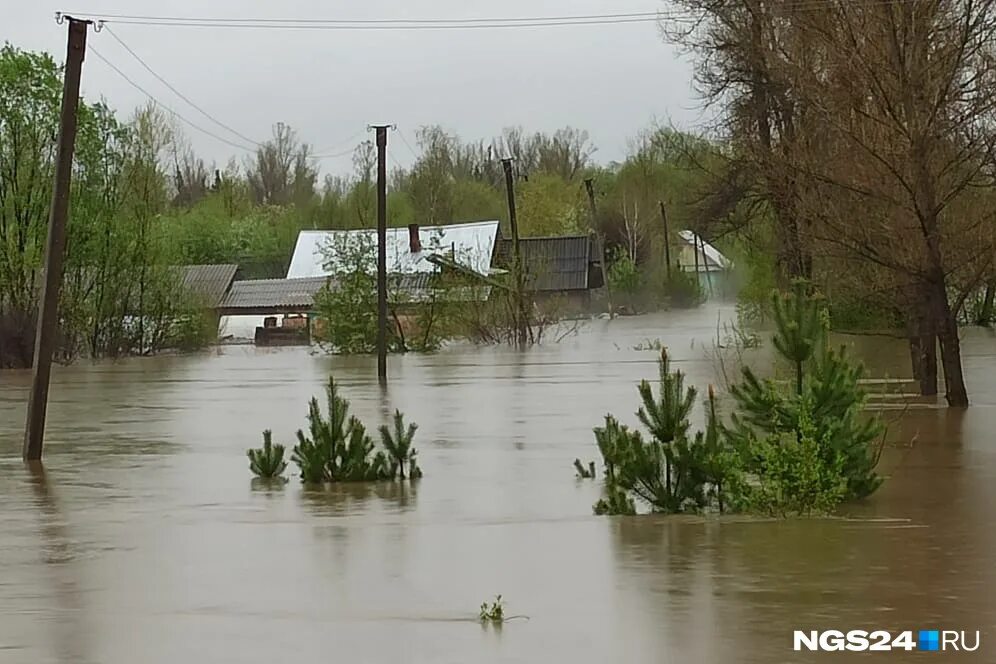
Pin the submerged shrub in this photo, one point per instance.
(267, 462)
(337, 448)
(802, 450)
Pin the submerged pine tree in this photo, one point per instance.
(670, 471)
(826, 397)
(337, 448)
(267, 462)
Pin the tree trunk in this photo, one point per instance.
(923, 346)
(947, 335)
(986, 315)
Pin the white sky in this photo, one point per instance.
(611, 80)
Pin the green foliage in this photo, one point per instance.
(800, 475)
(267, 462)
(337, 447)
(347, 306)
(548, 205)
(683, 290)
(799, 329)
(494, 612)
(826, 397)
(623, 274)
(615, 502)
(585, 473)
(399, 447)
(670, 472)
(799, 451)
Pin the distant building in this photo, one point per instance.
(409, 250)
(568, 266)
(713, 267)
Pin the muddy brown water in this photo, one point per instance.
(146, 541)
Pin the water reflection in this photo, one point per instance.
(68, 635)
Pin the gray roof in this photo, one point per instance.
(269, 296)
(208, 282)
(276, 294)
(551, 263)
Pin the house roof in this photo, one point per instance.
(266, 295)
(551, 263)
(715, 259)
(472, 243)
(275, 296)
(208, 282)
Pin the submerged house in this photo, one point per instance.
(409, 250)
(709, 264)
(567, 266)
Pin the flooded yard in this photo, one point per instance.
(145, 541)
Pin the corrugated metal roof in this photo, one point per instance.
(717, 261)
(472, 243)
(551, 263)
(273, 293)
(258, 295)
(208, 282)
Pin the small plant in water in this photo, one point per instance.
(493, 613)
(399, 447)
(584, 473)
(647, 344)
(267, 462)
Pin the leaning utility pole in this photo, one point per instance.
(381, 253)
(517, 267)
(667, 241)
(589, 186)
(48, 307)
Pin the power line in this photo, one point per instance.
(177, 92)
(407, 144)
(335, 155)
(434, 21)
(272, 25)
(164, 106)
(343, 142)
(440, 23)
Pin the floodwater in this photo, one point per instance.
(144, 541)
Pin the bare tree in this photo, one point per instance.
(870, 127)
(282, 170)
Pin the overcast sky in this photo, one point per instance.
(611, 80)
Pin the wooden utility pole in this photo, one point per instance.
(517, 266)
(705, 264)
(381, 253)
(48, 308)
(667, 241)
(589, 185)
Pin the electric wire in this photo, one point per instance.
(163, 106)
(380, 21)
(507, 22)
(178, 93)
(382, 27)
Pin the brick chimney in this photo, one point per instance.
(414, 243)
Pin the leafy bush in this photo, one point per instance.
(193, 330)
(623, 274)
(800, 474)
(267, 462)
(683, 290)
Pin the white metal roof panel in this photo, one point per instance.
(472, 243)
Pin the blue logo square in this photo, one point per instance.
(929, 639)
